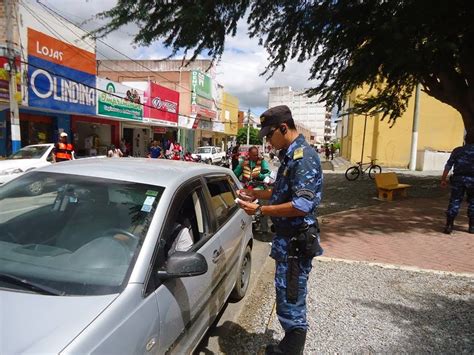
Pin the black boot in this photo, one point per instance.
(295, 341)
(291, 344)
(449, 225)
(471, 225)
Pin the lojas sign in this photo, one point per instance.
(61, 76)
(161, 104)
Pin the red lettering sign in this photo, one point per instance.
(161, 104)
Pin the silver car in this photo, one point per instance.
(119, 256)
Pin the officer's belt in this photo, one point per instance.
(288, 232)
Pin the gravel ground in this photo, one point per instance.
(359, 308)
(341, 195)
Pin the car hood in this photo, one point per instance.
(22, 164)
(32, 323)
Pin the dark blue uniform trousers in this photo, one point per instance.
(292, 315)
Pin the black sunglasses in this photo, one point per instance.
(270, 134)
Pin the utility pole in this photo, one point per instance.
(363, 140)
(414, 135)
(14, 113)
(248, 127)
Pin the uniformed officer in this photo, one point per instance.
(295, 196)
(462, 181)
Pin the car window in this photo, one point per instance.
(188, 226)
(79, 235)
(222, 198)
(30, 152)
(203, 150)
(213, 150)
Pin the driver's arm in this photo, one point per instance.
(238, 170)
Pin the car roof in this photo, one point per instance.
(158, 172)
(39, 145)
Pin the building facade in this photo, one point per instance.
(202, 120)
(440, 130)
(306, 110)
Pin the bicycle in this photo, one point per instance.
(353, 172)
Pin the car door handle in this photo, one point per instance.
(216, 255)
(242, 224)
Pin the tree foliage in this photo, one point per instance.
(387, 46)
(242, 136)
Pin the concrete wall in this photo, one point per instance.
(428, 160)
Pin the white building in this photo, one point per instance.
(306, 110)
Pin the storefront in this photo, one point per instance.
(36, 127)
(204, 134)
(93, 136)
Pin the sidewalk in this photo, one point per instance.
(405, 232)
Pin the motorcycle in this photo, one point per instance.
(260, 224)
(189, 157)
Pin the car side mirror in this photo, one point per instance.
(184, 264)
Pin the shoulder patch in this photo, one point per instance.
(298, 154)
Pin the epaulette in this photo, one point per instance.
(298, 154)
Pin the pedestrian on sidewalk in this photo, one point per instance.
(462, 182)
(327, 151)
(293, 201)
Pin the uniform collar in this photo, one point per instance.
(295, 144)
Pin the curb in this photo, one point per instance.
(325, 259)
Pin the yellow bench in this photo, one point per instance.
(387, 184)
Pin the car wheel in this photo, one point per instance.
(36, 188)
(243, 280)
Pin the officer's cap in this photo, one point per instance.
(273, 117)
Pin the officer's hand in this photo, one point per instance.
(248, 207)
(246, 195)
(444, 184)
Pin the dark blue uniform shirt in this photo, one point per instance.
(299, 181)
(462, 158)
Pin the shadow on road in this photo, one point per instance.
(439, 324)
(233, 339)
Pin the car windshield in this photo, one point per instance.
(31, 152)
(205, 150)
(80, 235)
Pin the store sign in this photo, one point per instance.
(61, 76)
(159, 130)
(203, 111)
(161, 104)
(56, 87)
(58, 52)
(5, 80)
(205, 125)
(201, 84)
(117, 100)
(218, 126)
(186, 122)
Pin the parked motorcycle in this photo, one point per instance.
(189, 157)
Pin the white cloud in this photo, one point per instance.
(239, 71)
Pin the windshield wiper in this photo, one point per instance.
(29, 285)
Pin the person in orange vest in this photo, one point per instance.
(63, 150)
(253, 170)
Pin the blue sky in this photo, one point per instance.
(239, 70)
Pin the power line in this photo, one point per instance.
(108, 93)
(56, 13)
(109, 46)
